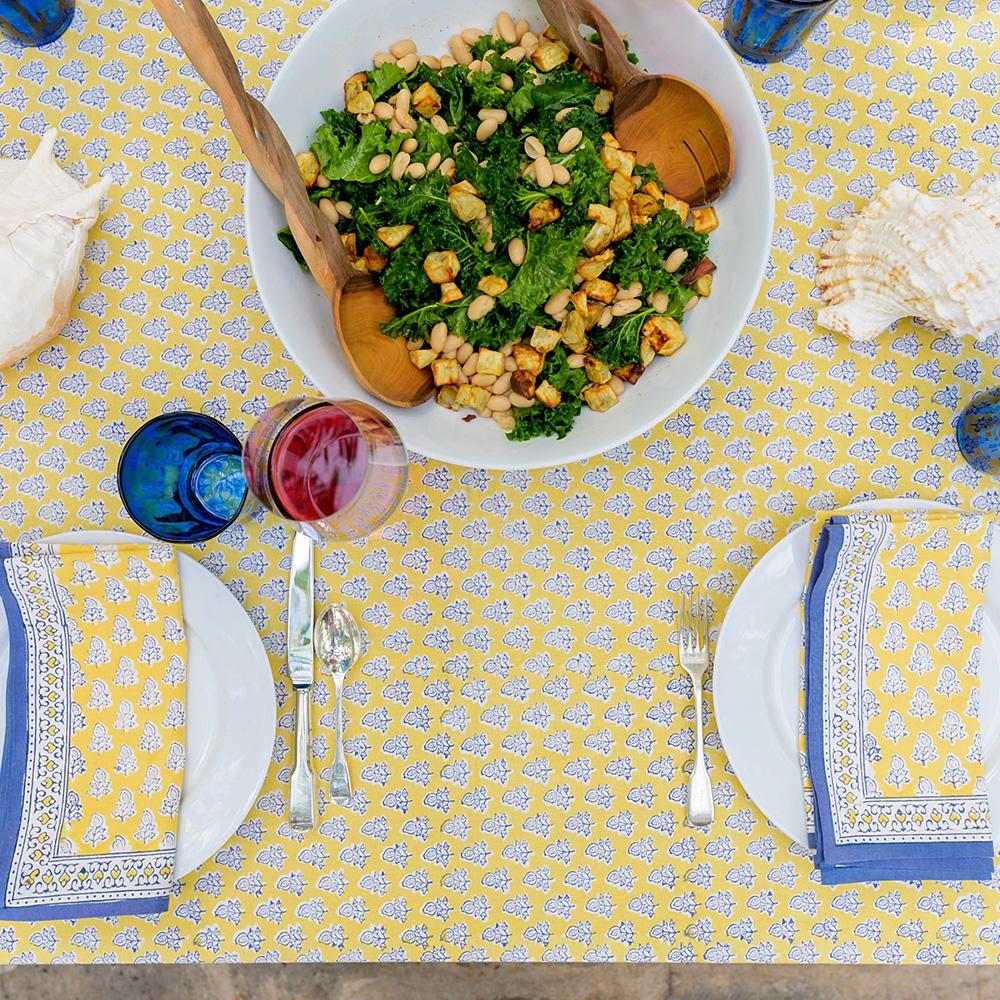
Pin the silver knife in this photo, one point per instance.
(302, 797)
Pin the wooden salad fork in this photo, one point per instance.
(668, 122)
(380, 364)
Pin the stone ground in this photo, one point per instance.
(493, 982)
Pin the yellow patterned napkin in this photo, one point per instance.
(92, 639)
(890, 738)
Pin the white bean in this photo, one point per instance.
(515, 54)
(463, 353)
(431, 62)
(384, 110)
(403, 101)
(521, 26)
(570, 140)
(440, 125)
(498, 113)
(416, 171)
(447, 167)
(480, 306)
(329, 209)
(460, 50)
(378, 163)
(505, 421)
(557, 301)
(506, 81)
(486, 129)
(469, 368)
(543, 172)
(433, 163)
(507, 350)
(660, 301)
(483, 380)
(454, 342)
(676, 260)
(617, 385)
(575, 360)
(502, 384)
(691, 304)
(381, 58)
(409, 145)
(533, 147)
(560, 174)
(521, 402)
(498, 403)
(439, 334)
(529, 42)
(509, 365)
(516, 251)
(625, 307)
(505, 25)
(604, 320)
(471, 35)
(345, 209)
(403, 47)
(560, 115)
(415, 345)
(399, 166)
(408, 63)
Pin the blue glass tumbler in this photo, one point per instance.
(35, 22)
(180, 477)
(978, 431)
(769, 30)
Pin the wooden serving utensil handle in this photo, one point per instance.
(611, 61)
(261, 140)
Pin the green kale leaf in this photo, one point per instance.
(383, 78)
(347, 160)
(549, 265)
(539, 420)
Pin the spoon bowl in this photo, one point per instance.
(380, 364)
(337, 638)
(667, 121)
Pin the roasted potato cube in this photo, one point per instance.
(492, 284)
(600, 397)
(363, 104)
(528, 359)
(652, 188)
(473, 395)
(523, 383)
(392, 236)
(603, 100)
(646, 351)
(465, 205)
(446, 371)
(600, 290)
(308, 167)
(598, 238)
(704, 220)
(623, 221)
(489, 362)
(676, 205)
(548, 394)
(611, 140)
(579, 301)
(548, 55)
(350, 241)
(446, 397)
(542, 213)
(376, 262)
(703, 286)
(543, 339)
(422, 358)
(603, 214)
(630, 373)
(621, 187)
(353, 86)
(596, 370)
(360, 265)
(593, 314)
(426, 101)
(467, 186)
(643, 207)
(550, 33)
(593, 267)
(621, 160)
(442, 266)
(663, 335)
(450, 292)
(573, 332)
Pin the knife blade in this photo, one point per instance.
(301, 801)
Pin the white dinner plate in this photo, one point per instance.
(755, 683)
(670, 36)
(230, 707)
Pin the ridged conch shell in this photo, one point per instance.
(45, 216)
(911, 254)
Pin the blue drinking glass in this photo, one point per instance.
(35, 22)
(769, 30)
(181, 479)
(978, 431)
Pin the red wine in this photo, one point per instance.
(318, 463)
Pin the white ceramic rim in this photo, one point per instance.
(578, 445)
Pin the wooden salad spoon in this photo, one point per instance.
(667, 121)
(380, 364)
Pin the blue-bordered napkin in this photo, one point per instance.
(892, 749)
(93, 653)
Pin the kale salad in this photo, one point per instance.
(535, 266)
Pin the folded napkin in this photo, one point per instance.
(890, 740)
(92, 646)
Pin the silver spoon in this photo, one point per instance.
(338, 645)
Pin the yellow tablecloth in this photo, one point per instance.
(518, 728)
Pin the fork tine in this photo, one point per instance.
(704, 621)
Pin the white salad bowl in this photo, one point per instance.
(669, 36)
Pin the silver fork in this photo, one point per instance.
(692, 642)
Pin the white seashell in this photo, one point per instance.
(45, 216)
(912, 254)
